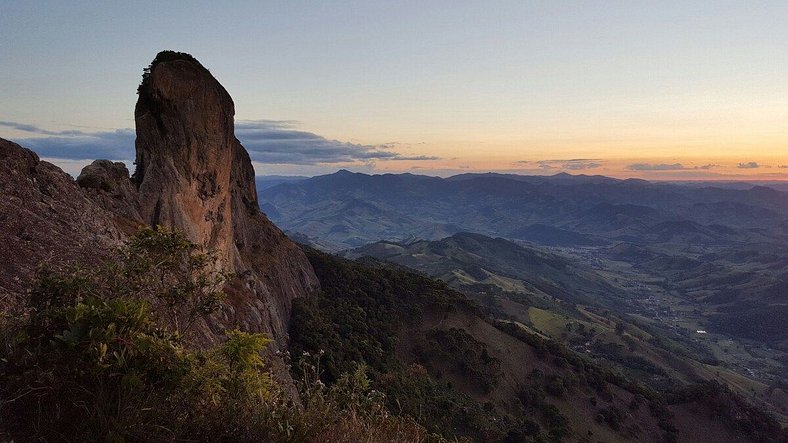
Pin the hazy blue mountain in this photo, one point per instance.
(268, 181)
(351, 209)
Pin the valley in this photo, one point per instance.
(194, 301)
(698, 300)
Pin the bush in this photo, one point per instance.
(356, 318)
(612, 416)
(104, 354)
(464, 354)
(555, 387)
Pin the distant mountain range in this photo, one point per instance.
(677, 258)
(348, 210)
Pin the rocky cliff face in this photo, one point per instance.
(192, 175)
(185, 153)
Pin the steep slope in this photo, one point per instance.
(45, 219)
(457, 372)
(564, 299)
(689, 258)
(193, 175)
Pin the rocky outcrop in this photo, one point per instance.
(46, 220)
(193, 175)
(109, 184)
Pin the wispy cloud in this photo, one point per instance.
(572, 164)
(36, 130)
(655, 167)
(272, 141)
(268, 141)
(748, 165)
(76, 144)
(668, 167)
(578, 165)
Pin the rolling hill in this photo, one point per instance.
(595, 312)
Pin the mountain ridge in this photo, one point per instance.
(496, 204)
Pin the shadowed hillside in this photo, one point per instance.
(439, 359)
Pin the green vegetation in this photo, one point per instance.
(355, 320)
(460, 352)
(726, 406)
(110, 354)
(678, 259)
(105, 354)
(533, 401)
(360, 309)
(380, 316)
(591, 374)
(162, 57)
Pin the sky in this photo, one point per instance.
(663, 90)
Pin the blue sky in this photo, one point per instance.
(425, 86)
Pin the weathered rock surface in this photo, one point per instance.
(110, 186)
(193, 175)
(45, 220)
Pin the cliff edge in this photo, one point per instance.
(193, 175)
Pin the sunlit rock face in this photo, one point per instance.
(195, 176)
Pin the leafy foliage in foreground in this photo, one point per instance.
(104, 355)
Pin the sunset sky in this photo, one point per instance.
(657, 90)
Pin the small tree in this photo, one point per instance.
(181, 279)
(102, 354)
